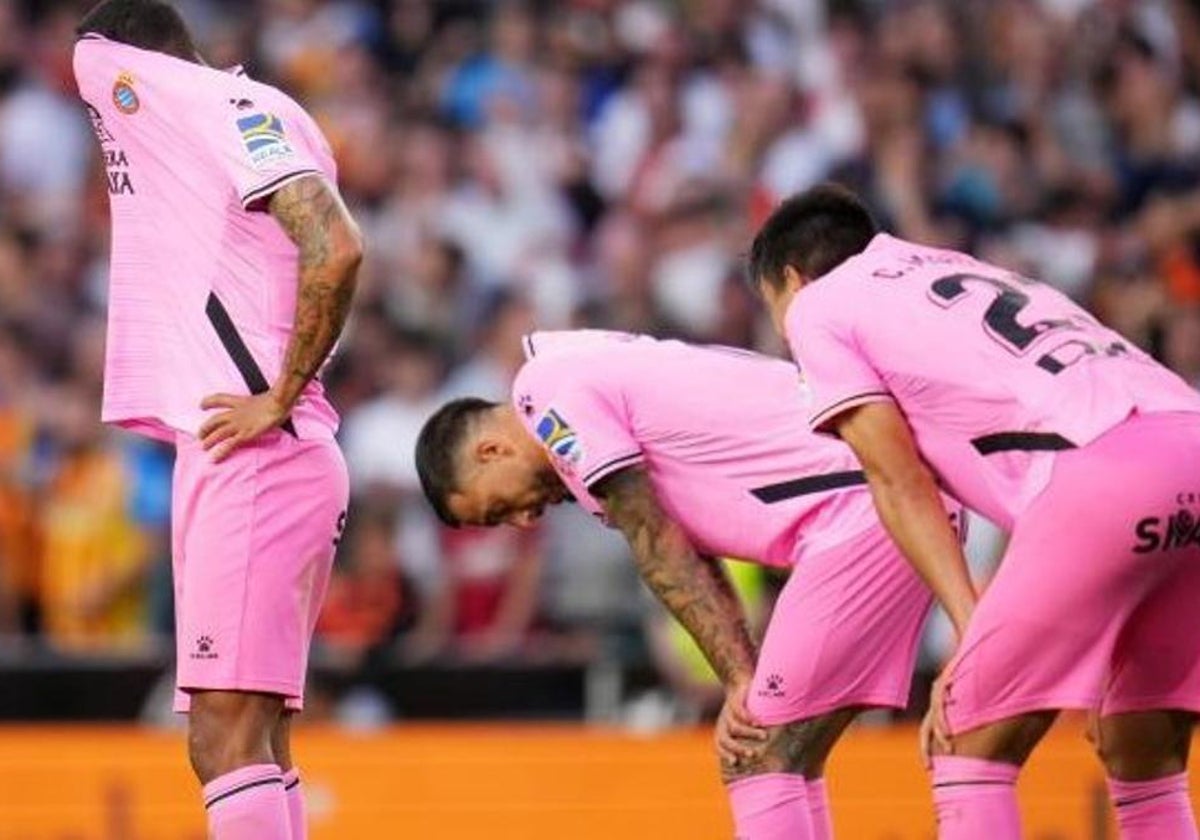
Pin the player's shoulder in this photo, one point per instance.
(828, 297)
(257, 97)
(567, 360)
(99, 61)
(595, 341)
(872, 283)
(264, 94)
(555, 369)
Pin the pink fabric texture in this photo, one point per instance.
(772, 806)
(196, 303)
(819, 812)
(295, 800)
(1159, 809)
(248, 804)
(975, 799)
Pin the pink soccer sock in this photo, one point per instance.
(1155, 810)
(771, 806)
(818, 809)
(975, 798)
(295, 803)
(248, 804)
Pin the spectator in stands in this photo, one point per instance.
(368, 603)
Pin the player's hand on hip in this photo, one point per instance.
(739, 737)
(935, 732)
(242, 419)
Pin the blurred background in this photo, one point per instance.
(523, 165)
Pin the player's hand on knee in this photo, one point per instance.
(243, 420)
(739, 738)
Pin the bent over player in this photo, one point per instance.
(697, 452)
(1028, 410)
(232, 271)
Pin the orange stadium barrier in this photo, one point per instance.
(500, 781)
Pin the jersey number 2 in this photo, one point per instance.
(1000, 321)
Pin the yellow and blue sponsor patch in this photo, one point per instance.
(559, 438)
(264, 137)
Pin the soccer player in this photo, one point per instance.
(941, 369)
(232, 271)
(694, 453)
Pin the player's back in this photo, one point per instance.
(994, 372)
(202, 287)
(721, 431)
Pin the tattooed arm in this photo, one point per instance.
(312, 214)
(694, 589)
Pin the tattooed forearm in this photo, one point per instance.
(313, 216)
(694, 589)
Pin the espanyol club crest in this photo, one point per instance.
(124, 97)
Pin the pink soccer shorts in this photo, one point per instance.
(844, 633)
(253, 540)
(1097, 602)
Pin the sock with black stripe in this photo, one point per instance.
(248, 804)
(770, 806)
(1158, 809)
(975, 798)
(295, 802)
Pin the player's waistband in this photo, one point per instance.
(1021, 442)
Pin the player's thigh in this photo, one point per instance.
(1156, 659)
(1044, 632)
(843, 633)
(259, 540)
(300, 513)
(1153, 694)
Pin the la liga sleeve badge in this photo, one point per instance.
(560, 440)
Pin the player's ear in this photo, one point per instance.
(489, 448)
(793, 280)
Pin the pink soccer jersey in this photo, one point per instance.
(993, 371)
(202, 288)
(720, 431)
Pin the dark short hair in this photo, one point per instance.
(437, 451)
(146, 24)
(814, 232)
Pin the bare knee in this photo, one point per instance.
(801, 747)
(1138, 746)
(1010, 741)
(228, 730)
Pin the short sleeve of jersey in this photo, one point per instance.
(262, 147)
(836, 372)
(583, 429)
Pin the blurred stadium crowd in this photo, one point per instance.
(579, 163)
